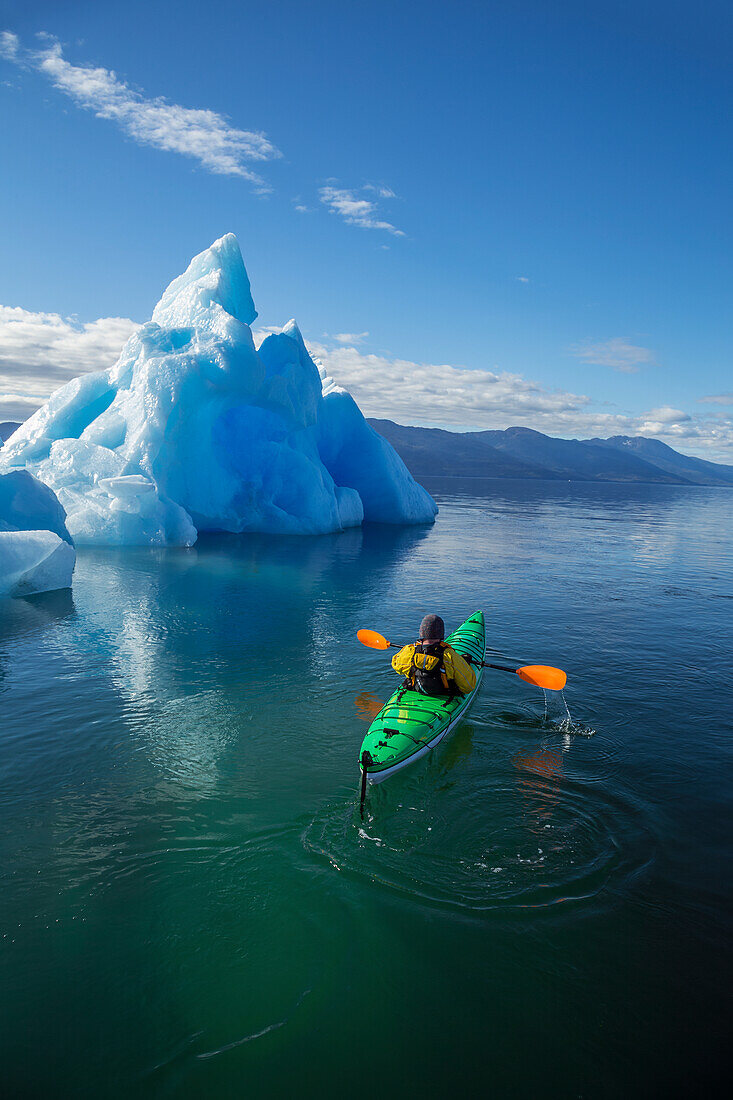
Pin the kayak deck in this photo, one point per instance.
(410, 724)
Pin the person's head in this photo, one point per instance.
(432, 630)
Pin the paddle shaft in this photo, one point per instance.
(542, 676)
(501, 668)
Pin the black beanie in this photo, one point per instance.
(432, 626)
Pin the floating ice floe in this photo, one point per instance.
(36, 550)
(194, 429)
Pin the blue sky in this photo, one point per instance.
(509, 212)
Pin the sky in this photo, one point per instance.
(480, 214)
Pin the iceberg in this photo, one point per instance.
(27, 505)
(33, 562)
(194, 429)
(36, 550)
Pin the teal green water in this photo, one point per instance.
(190, 905)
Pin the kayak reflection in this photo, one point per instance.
(367, 705)
(457, 749)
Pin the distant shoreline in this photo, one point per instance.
(426, 478)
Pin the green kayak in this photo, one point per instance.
(410, 724)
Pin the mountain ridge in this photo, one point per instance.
(520, 452)
(7, 427)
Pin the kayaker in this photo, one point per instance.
(432, 667)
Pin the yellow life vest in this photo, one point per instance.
(427, 670)
(415, 665)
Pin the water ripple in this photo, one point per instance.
(255, 1035)
(544, 838)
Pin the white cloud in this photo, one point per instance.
(41, 351)
(617, 353)
(14, 406)
(383, 192)
(351, 337)
(717, 399)
(522, 279)
(440, 393)
(263, 331)
(204, 135)
(673, 423)
(9, 45)
(443, 395)
(355, 210)
(667, 415)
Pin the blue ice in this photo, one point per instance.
(194, 429)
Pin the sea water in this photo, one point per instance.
(190, 905)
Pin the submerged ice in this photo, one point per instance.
(195, 429)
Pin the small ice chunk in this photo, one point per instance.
(26, 504)
(34, 561)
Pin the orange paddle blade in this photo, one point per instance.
(372, 639)
(544, 676)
